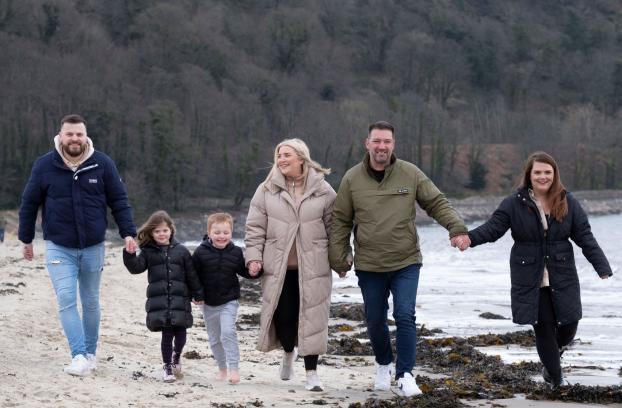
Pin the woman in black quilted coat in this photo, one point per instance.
(543, 217)
(172, 283)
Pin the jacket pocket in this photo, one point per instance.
(563, 270)
(320, 258)
(523, 271)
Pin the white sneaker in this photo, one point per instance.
(92, 360)
(383, 377)
(167, 373)
(176, 364)
(313, 381)
(407, 387)
(287, 365)
(79, 366)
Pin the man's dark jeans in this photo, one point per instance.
(375, 287)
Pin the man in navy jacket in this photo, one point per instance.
(74, 184)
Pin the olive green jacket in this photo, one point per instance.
(382, 216)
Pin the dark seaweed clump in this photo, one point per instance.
(471, 374)
(431, 399)
(349, 311)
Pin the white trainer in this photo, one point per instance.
(287, 365)
(92, 360)
(167, 373)
(383, 377)
(313, 381)
(79, 366)
(407, 387)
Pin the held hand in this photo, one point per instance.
(349, 259)
(342, 274)
(28, 252)
(130, 245)
(198, 302)
(254, 267)
(462, 242)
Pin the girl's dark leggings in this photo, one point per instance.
(286, 317)
(550, 337)
(172, 335)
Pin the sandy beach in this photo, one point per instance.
(34, 351)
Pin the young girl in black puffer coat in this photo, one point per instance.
(172, 283)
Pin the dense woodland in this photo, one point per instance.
(189, 97)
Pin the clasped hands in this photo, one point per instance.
(462, 242)
(254, 267)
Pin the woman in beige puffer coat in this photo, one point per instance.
(287, 234)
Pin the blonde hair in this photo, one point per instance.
(145, 232)
(219, 218)
(302, 150)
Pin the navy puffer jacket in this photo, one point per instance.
(218, 270)
(74, 204)
(172, 283)
(533, 249)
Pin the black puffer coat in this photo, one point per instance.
(533, 249)
(172, 283)
(218, 270)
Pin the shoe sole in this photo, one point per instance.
(403, 394)
(77, 373)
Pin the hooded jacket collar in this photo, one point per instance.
(314, 183)
(85, 156)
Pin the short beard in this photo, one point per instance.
(73, 154)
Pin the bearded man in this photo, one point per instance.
(73, 184)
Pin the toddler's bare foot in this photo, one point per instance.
(222, 374)
(234, 377)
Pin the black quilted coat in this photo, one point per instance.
(172, 283)
(218, 270)
(533, 249)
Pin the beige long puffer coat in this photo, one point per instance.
(272, 224)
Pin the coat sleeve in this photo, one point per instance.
(32, 198)
(117, 200)
(329, 205)
(192, 279)
(581, 234)
(436, 205)
(242, 270)
(341, 223)
(135, 263)
(256, 226)
(495, 227)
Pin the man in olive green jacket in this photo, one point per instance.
(376, 200)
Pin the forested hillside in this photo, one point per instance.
(190, 96)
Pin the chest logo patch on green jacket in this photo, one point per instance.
(402, 190)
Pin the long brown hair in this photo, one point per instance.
(145, 232)
(556, 195)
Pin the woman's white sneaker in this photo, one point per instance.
(287, 365)
(79, 366)
(313, 381)
(407, 387)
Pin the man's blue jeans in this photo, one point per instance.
(375, 287)
(70, 269)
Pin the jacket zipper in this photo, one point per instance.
(82, 170)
